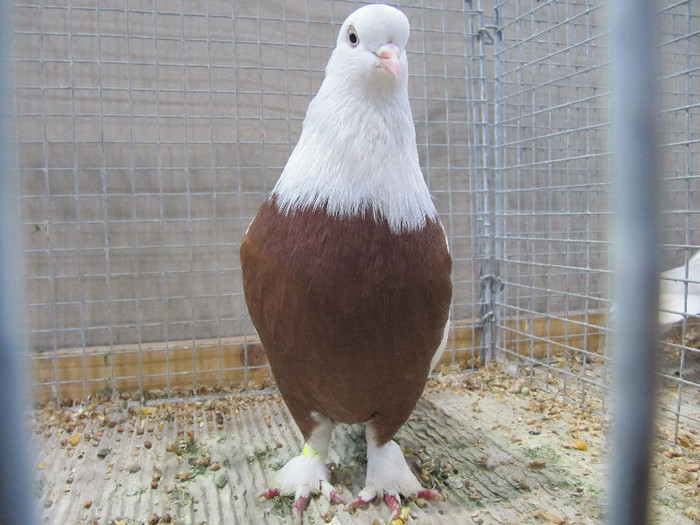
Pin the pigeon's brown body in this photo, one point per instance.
(350, 313)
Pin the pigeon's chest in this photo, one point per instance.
(346, 262)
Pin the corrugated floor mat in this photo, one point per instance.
(497, 452)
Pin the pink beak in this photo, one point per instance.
(389, 59)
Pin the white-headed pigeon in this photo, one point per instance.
(346, 269)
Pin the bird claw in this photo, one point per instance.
(392, 500)
(366, 495)
(269, 493)
(428, 494)
(303, 498)
(394, 504)
(358, 502)
(330, 493)
(299, 506)
(337, 498)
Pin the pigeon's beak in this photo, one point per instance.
(389, 59)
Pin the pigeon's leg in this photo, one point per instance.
(388, 476)
(307, 473)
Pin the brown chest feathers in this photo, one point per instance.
(349, 313)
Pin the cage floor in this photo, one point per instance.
(497, 448)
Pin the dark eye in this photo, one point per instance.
(353, 38)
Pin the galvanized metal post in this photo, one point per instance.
(15, 504)
(481, 36)
(636, 261)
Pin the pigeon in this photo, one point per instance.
(346, 268)
(679, 292)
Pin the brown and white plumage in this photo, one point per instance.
(346, 269)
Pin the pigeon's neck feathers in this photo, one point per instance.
(357, 154)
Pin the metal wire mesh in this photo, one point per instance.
(149, 134)
(551, 185)
(551, 192)
(680, 152)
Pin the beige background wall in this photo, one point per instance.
(149, 132)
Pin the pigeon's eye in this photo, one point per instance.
(353, 37)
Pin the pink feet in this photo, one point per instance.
(331, 494)
(303, 497)
(394, 505)
(269, 493)
(388, 477)
(299, 506)
(428, 494)
(359, 501)
(392, 500)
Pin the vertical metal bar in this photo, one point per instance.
(78, 230)
(497, 177)
(105, 223)
(636, 261)
(51, 267)
(134, 214)
(15, 503)
(188, 200)
(689, 96)
(239, 193)
(449, 167)
(480, 35)
(161, 206)
(214, 191)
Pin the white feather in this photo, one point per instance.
(387, 471)
(440, 349)
(302, 476)
(357, 151)
(675, 302)
(305, 474)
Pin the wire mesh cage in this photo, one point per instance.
(551, 187)
(148, 134)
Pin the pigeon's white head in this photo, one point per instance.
(357, 151)
(371, 48)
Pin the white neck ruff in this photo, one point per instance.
(357, 154)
